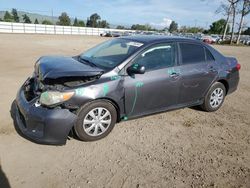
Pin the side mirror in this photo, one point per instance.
(136, 69)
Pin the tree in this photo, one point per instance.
(141, 27)
(233, 4)
(247, 31)
(218, 27)
(226, 10)
(81, 23)
(75, 22)
(26, 19)
(244, 12)
(93, 20)
(120, 27)
(36, 21)
(64, 19)
(15, 15)
(173, 27)
(185, 29)
(8, 17)
(103, 24)
(47, 22)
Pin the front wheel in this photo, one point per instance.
(214, 98)
(95, 120)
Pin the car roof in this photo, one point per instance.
(147, 39)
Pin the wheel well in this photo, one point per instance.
(115, 105)
(225, 83)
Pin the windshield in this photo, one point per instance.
(110, 53)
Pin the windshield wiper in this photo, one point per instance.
(87, 61)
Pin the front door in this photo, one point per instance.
(158, 87)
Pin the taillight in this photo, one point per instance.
(238, 66)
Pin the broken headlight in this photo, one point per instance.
(49, 98)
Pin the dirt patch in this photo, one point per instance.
(182, 148)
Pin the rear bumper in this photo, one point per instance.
(39, 124)
(233, 83)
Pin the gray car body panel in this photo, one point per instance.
(139, 94)
(156, 91)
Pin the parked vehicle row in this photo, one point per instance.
(209, 39)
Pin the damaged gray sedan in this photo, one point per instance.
(120, 79)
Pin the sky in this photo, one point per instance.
(157, 13)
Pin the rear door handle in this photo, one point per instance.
(212, 69)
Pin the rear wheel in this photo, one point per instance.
(95, 120)
(214, 98)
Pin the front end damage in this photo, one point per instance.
(40, 123)
(46, 106)
(48, 124)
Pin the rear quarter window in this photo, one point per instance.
(192, 53)
(209, 56)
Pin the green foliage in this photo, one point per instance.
(47, 22)
(141, 27)
(247, 31)
(185, 29)
(8, 17)
(93, 20)
(26, 19)
(75, 22)
(103, 24)
(36, 21)
(218, 27)
(15, 15)
(173, 27)
(64, 19)
(120, 27)
(81, 23)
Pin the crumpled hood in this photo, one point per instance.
(54, 67)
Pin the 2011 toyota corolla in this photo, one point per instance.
(120, 79)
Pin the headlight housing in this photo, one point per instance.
(49, 98)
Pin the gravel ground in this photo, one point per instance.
(182, 148)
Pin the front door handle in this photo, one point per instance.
(174, 75)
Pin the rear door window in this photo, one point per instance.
(192, 53)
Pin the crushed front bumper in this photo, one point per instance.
(39, 124)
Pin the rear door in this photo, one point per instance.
(197, 70)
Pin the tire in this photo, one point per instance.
(214, 98)
(95, 120)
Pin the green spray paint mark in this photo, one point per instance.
(170, 71)
(105, 89)
(80, 91)
(139, 84)
(115, 77)
(46, 95)
(125, 118)
(135, 99)
(173, 70)
(135, 66)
